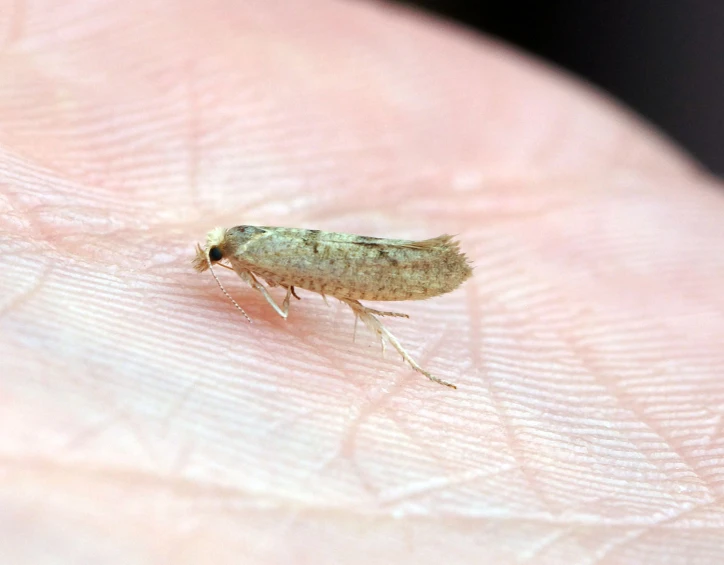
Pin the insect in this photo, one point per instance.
(345, 266)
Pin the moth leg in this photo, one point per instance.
(285, 304)
(291, 288)
(255, 284)
(354, 330)
(383, 313)
(367, 315)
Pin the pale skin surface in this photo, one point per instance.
(143, 420)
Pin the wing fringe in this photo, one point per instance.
(444, 240)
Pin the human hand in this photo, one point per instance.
(145, 421)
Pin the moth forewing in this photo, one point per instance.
(346, 266)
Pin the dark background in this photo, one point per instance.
(663, 58)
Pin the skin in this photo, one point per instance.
(142, 420)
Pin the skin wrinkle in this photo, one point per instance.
(639, 533)
(609, 385)
(84, 436)
(193, 489)
(335, 364)
(223, 497)
(290, 119)
(535, 552)
(474, 329)
(419, 488)
(17, 301)
(613, 394)
(26, 466)
(193, 132)
(427, 447)
(119, 414)
(521, 464)
(113, 415)
(718, 431)
(439, 460)
(14, 25)
(347, 446)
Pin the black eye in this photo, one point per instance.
(215, 254)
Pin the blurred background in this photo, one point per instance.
(663, 58)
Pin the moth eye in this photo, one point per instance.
(215, 254)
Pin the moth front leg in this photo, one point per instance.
(255, 284)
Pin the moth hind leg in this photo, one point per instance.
(383, 313)
(367, 315)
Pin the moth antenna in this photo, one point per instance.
(211, 268)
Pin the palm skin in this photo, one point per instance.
(143, 420)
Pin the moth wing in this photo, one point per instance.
(445, 241)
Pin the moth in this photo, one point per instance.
(347, 267)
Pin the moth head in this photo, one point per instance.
(213, 252)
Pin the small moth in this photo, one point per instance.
(348, 267)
